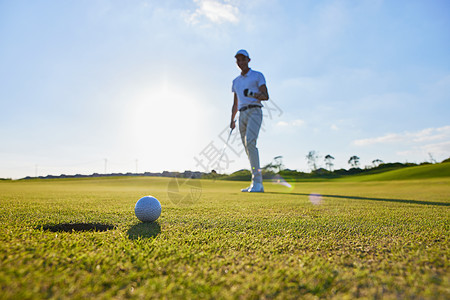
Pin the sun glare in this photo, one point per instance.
(160, 122)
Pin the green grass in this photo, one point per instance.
(385, 239)
(418, 172)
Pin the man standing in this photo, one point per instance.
(249, 90)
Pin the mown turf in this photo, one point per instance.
(441, 170)
(362, 239)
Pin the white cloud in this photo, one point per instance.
(215, 11)
(432, 134)
(391, 137)
(298, 122)
(295, 123)
(440, 149)
(282, 123)
(424, 135)
(334, 127)
(436, 150)
(428, 144)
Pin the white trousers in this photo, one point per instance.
(249, 125)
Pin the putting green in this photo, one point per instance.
(79, 238)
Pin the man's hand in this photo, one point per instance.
(233, 124)
(261, 95)
(234, 111)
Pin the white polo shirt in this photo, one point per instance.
(251, 81)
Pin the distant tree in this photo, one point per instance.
(329, 162)
(376, 162)
(276, 165)
(432, 160)
(312, 158)
(278, 162)
(354, 161)
(269, 167)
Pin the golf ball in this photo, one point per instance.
(147, 209)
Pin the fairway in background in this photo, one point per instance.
(441, 170)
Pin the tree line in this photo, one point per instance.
(313, 157)
(314, 161)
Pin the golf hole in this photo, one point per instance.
(78, 227)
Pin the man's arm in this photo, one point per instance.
(234, 110)
(263, 94)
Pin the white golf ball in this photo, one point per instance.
(147, 209)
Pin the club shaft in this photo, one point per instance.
(226, 144)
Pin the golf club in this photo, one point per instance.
(226, 144)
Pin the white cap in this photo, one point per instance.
(242, 52)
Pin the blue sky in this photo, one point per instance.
(146, 85)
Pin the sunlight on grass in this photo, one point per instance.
(366, 239)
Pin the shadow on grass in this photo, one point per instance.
(144, 231)
(78, 227)
(372, 199)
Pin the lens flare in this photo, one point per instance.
(277, 179)
(315, 199)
